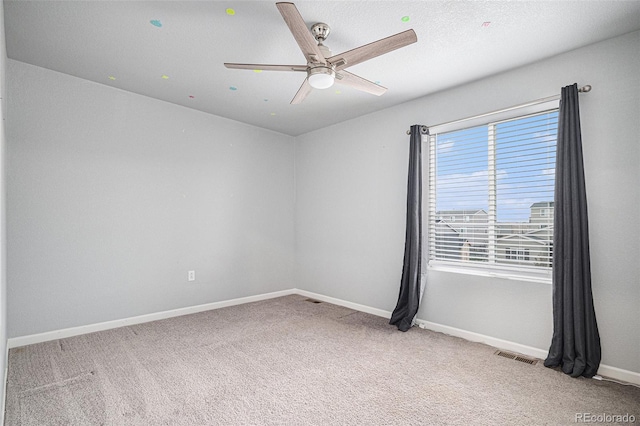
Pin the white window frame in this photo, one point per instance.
(519, 272)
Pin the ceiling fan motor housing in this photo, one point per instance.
(321, 75)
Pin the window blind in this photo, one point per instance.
(491, 191)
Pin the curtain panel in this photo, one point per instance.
(575, 345)
(409, 297)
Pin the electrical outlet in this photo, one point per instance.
(191, 275)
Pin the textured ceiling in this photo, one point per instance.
(180, 58)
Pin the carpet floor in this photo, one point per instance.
(288, 361)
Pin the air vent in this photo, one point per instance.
(527, 360)
(516, 357)
(312, 301)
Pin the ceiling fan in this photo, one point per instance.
(322, 67)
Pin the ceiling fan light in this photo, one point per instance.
(321, 77)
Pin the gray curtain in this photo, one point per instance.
(575, 345)
(409, 298)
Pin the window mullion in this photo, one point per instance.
(491, 228)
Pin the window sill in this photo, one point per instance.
(543, 277)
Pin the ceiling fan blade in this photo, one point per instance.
(360, 83)
(304, 90)
(300, 32)
(371, 50)
(266, 67)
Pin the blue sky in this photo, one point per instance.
(525, 152)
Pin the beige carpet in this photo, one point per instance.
(288, 361)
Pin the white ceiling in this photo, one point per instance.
(96, 40)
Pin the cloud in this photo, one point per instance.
(445, 146)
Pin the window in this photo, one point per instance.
(501, 175)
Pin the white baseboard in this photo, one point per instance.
(603, 370)
(481, 338)
(619, 374)
(346, 304)
(15, 342)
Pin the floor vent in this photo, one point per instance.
(312, 301)
(504, 354)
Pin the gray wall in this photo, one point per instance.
(351, 189)
(3, 251)
(112, 197)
